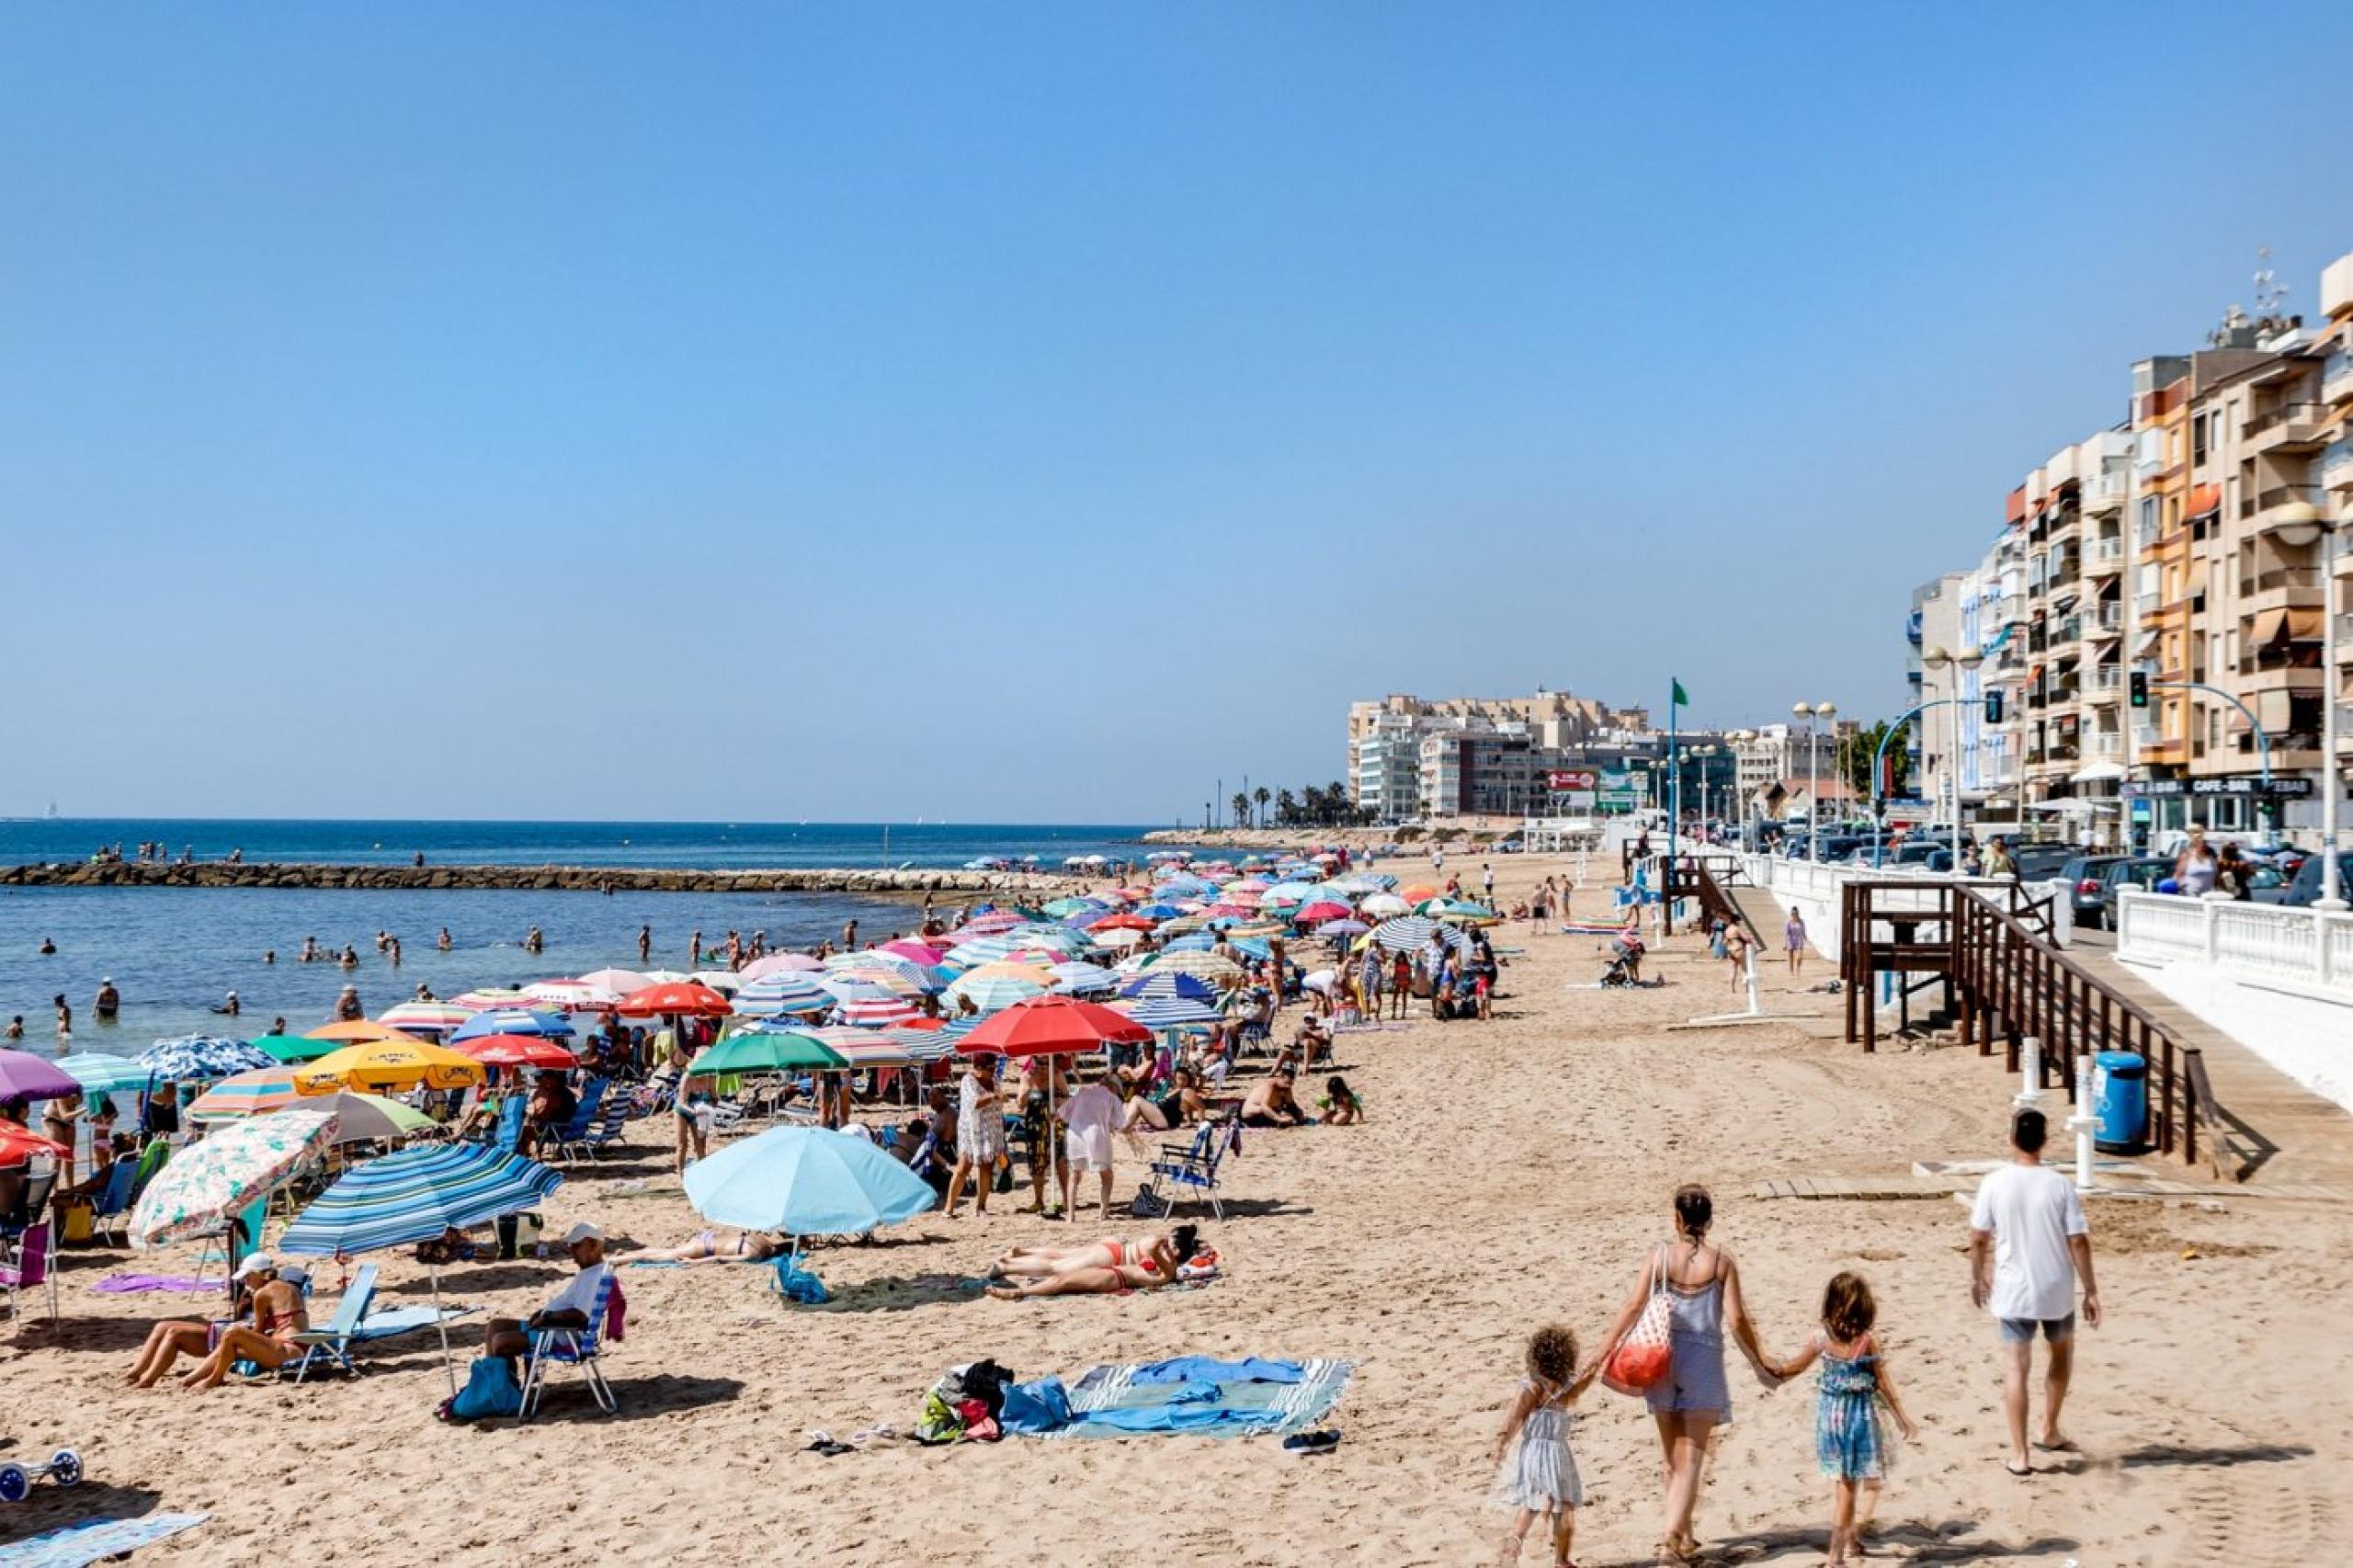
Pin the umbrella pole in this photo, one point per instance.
(441, 1324)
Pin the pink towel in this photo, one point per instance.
(616, 1313)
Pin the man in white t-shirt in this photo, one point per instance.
(1090, 1115)
(2027, 1243)
(571, 1307)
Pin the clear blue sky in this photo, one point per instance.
(1034, 412)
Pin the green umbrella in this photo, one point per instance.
(294, 1047)
(766, 1051)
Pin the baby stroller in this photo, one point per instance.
(1625, 961)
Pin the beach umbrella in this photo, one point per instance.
(24, 1077)
(1404, 933)
(1120, 938)
(726, 981)
(101, 1073)
(891, 971)
(515, 1020)
(1161, 1012)
(491, 996)
(1190, 942)
(19, 1144)
(767, 964)
(292, 1047)
(1122, 922)
(364, 1118)
(1063, 908)
(786, 990)
(877, 1012)
(242, 1094)
(1323, 909)
(517, 1050)
(570, 995)
(1342, 929)
(1169, 985)
(413, 1195)
(344, 1032)
(769, 1050)
(200, 1058)
(388, 1065)
(806, 1181)
(1085, 979)
(879, 1049)
(1417, 893)
(615, 984)
(993, 993)
(674, 999)
(1045, 1025)
(1382, 905)
(424, 1018)
(922, 953)
(221, 1174)
(1215, 967)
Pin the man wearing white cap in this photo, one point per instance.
(570, 1307)
(109, 1001)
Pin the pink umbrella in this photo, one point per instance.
(914, 952)
(775, 963)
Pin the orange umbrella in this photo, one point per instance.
(19, 1144)
(360, 1029)
(1415, 893)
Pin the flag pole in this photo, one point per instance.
(1673, 808)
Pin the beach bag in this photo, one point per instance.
(1148, 1204)
(1643, 1357)
(491, 1390)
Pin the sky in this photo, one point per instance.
(1042, 412)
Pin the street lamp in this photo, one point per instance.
(1939, 659)
(2297, 524)
(1811, 713)
(1741, 741)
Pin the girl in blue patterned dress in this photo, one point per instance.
(1850, 1440)
(1543, 1477)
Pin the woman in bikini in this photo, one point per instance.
(268, 1341)
(1161, 1254)
(709, 1247)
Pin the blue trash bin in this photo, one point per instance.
(2120, 1100)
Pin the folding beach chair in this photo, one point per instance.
(574, 1347)
(29, 1267)
(610, 1116)
(353, 1324)
(1195, 1164)
(583, 1117)
(509, 1136)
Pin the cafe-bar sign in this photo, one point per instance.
(2247, 784)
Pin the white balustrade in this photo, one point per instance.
(2308, 949)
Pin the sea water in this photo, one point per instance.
(173, 953)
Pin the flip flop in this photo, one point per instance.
(2064, 1445)
(1322, 1442)
(2015, 1471)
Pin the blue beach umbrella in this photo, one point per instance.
(413, 1194)
(1169, 985)
(515, 1020)
(788, 991)
(1161, 1012)
(99, 1073)
(806, 1181)
(199, 1058)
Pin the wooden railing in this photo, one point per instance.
(2009, 982)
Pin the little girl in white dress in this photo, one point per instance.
(1543, 1476)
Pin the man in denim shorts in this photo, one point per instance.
(2027, 1243)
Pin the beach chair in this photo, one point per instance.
(32, 1204)
(611, 1119)
(113, 1206)
(28, 1268)
(583, 1117)
(1195, 1166)
(354, 1323)
(571, 1346)
(509, 1136)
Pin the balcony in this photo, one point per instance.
(2337, 377)
(2336, 468)
(2109, 616)
(2106, 743)
(2290, 427)
(2068, 630)
(2276, 578)
(2108, 678)
(2148, 605)
(2106, 555)
(2279, 495)
(2064, 568)
(2105, 493)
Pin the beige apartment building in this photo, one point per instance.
(2188, 543)
(1486, 756)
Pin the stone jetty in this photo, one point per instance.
(876, 882)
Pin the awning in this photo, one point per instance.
(2148, 648)
(2097, 770)
(2268, 628)
(2015, 508)
(2306, 625)
(2204, 498)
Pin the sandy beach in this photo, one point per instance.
(1510, 1174)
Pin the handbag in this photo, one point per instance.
(1641, 1360)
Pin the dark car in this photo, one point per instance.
(2142, 871)
(2305, 889)
(2041, 862)
(2087, 879)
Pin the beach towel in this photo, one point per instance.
(615, 1314)
(1109, 1402)
(132, 1284)
(1206, 1369)
(95, 1540)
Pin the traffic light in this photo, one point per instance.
(2139, 689)
(1993, 707)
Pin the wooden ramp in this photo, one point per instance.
(2284, 1133)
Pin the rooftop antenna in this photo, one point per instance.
(2269, 292)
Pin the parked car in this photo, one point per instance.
(2142, 871)
(2087, 879)
(2304, 890)
(2042, 863)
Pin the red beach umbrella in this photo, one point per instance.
(679, 998)
(1048, 1025)
(1125, 922)
(19, 1144)
(517, 1050)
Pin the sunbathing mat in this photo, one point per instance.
(132, 1284)
(1205, 1398)
(96, 1538)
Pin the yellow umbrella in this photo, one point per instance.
(397, 1063)
(357, 1029)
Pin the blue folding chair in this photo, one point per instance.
(580, 1347)
(1195, 1164)
(354, 1323)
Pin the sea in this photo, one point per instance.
(175, 953)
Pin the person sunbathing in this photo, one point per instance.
(278, 1316)
(1163, 1254)
(1084, 1282)
(709, 1247)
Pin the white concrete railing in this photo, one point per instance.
(1818, 890)
(2265, 944)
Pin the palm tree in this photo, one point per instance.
(1286, 807)
(1260, 795)
(1241, 808)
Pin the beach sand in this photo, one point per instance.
(1510, 1174)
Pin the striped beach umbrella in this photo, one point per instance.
(1403, 934)
(994, 992)
(1157, 1013)
(491, 996)
(413, 1194)
(1162, 985)
(884, 1049)
(1085, 979)
(240, 1095)
(101, 1073)
(900, 974)
(516, 1020)
(1212, 967)
(786, 990)
(1381, 905)
(424, 1018)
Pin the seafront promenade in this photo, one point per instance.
(882, 883)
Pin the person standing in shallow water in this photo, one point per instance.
(644, 943)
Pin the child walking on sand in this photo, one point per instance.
(1543, 1478)
(1793, 937)
(1850, 1440)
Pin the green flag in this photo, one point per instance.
(1680, 700)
